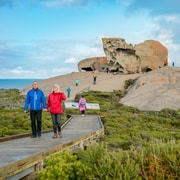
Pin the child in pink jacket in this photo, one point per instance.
(82, 105)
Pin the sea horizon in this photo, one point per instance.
(12, 83)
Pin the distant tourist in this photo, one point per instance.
(35, 100)
(173, 63)
(94, 79)
(54, 104)
(76, 82)
(68, 92)
(82, 105)
(165, 62)
(107, 70)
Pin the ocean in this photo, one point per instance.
(16, 83)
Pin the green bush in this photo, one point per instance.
(65, 166)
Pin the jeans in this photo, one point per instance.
(56, 123)
(36, 122)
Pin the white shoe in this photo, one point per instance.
(82, 114)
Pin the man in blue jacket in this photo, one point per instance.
(36, 102)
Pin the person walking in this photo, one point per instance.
(36, 102)
(54, 104)
(82, 105)
(94, 79)
(68, 92)
(76, 82)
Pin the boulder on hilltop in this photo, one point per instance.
(127, 58)
(143, 57)
(155, 90)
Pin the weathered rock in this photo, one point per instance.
(93, 64)
(155, 90)
(149, 55)
(152, 54)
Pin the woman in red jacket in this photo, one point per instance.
(54, 104)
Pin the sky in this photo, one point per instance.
(47, 38)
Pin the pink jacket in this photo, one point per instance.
(82, 104)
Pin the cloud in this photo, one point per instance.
(19, 70)
(45, 58)
(157, 7)
(58, 3)
(165, 27)
(71, 60)
(50, 3)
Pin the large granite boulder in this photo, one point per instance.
(143, 57)
(93, 64)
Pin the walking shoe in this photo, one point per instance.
(60, 135)
(33, 136)
(55, 136)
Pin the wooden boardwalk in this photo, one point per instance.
(23, 156)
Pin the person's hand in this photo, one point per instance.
(25, 111)
(45, 110)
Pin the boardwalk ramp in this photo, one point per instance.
(24, 156)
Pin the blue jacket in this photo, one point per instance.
(35, 100)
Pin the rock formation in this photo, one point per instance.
(155, 90)
(126, 58)
(143, 57)
(93, 64)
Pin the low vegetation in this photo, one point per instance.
(13, 120)
(136, 145)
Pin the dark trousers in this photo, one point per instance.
(56, 123)
(68, 95)
(36, 122)
(83, 112)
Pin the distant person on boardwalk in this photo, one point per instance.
(173, 63)
(94, 79)
(54, 104)
(76, 82)
(36, 102)
(82, 105)
(68, 92)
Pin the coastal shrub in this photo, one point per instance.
(161, 161)
(128, 83)
(155, 161)
(12, 115)
(65, 166)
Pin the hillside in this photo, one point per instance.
(105, 82)
(154, 90)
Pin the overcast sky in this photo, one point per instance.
(47, 38)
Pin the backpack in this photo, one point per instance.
(82, 102)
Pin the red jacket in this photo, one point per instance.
(54, 102)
